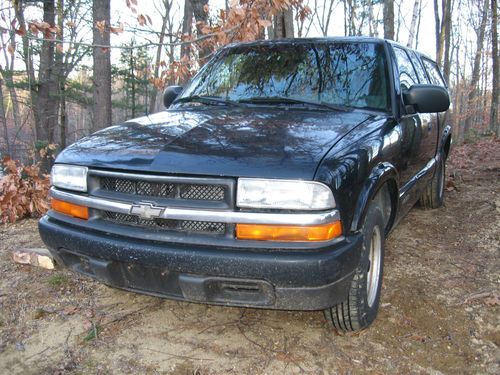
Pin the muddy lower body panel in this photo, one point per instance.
(290, 279)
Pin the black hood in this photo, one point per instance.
(226, 141)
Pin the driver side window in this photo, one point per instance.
(407, 74)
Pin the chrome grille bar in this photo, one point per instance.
(173, 213)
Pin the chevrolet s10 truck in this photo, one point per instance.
(271, 180)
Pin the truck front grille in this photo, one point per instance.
(163, 191)
(171, 190)
(187, 226)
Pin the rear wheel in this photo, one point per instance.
(433, 195)
(361, 306)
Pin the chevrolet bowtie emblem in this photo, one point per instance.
(146, 210)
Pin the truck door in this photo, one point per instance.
(419, 131)
(431, 123)
(436, 78)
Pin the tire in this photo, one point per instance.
(433, 195)
(361, 306)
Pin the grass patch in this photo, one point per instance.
(57, 280)
(92, 333)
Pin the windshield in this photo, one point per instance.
(339, 74)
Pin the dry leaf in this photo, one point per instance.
(492, 301)
(70, 310)
(264, 23)
(21, 31)
(141, 19)
(101, 26)
(116, 29)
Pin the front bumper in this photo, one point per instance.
(290, 279)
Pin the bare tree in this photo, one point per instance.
(372, 20)
(413, 25)
(283, 24)
(201, 17)
(3, 120)
(476, 70)
(165, 24)
(187, 26)
(47, 83)
(389, 19)
(443, 27)
(102, 65)
(495, 103)
(323, 14)
(304, 24)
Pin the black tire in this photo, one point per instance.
(433, 195)
(361, 307)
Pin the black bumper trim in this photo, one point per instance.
(278, 279)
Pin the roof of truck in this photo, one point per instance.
(346, 39)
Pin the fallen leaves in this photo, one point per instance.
(489, 298)
(23, 191)
(493, 300)
(70, 310)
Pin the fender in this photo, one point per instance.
(380, 174)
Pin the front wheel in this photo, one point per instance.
(361, 306)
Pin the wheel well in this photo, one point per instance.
(386, 199)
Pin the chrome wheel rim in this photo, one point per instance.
(374, 263)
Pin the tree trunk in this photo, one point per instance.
(102, 115)
(413, 25)
(389, 19)
(131, 77)
(201, 17)
(28, 61)
(437, 31)
(372, 21)
(447, 36)
(352, 17)
(418, 25)
(495, 103)
(473, 90)
(8, 78)
(187, 26)
(3, 120)
(283, 24)
(47, 84)
(59, 68)
(154, 91)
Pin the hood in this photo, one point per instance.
(246, 142)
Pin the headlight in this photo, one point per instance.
(69, 177)
(284, 194)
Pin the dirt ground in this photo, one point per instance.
(439, 312)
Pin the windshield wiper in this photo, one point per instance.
(285, 100)
(210, 100)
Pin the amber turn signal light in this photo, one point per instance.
(265, 232)
(70, 209)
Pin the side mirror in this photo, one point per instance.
(427, 98)
(169, 95)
